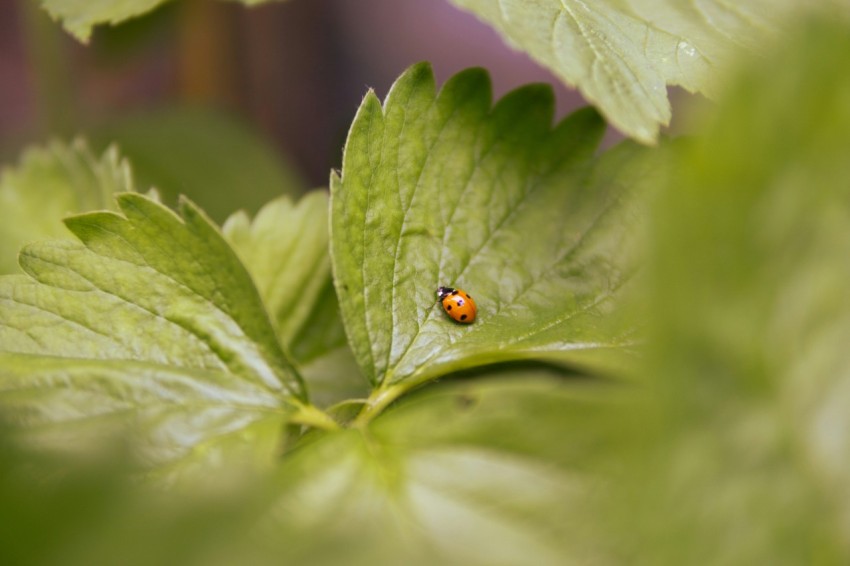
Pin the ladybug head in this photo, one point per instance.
(443, 292)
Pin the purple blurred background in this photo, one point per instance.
(295, 71)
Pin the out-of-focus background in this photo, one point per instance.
(197, 74)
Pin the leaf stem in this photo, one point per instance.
(311, 415)
(378, 401)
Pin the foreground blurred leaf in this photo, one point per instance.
(89, 513)
(622, 55)
(483, 472)
(49, 184)
(444, 190)
(151, 316)
(745, 453)
(213, 158)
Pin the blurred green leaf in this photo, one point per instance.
(444, 190)
(214, 159)
(460, 474)
(55, 510)
(745, 451)
(321, 347)
(80, 16)
(51, 183)
(334, 377)
(285, 248)
(151, 316)
(324, 331)
(622, 55)
(327, 363)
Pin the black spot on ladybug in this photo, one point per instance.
(460, 302)
(449, 307)
(455, 292)
(463, 317)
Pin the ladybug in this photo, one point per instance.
(457, 304)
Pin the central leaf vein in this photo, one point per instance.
(407, 208)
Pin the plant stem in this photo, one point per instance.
(311, 415)
(378, 401)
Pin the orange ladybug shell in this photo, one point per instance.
(458, 304)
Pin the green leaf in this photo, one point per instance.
(444, 190)
(183, 419)
(324, 331)
(745, 451)
(285, 249)
(460, 475)
(327, 362)
(150, 316)
(211, 157)
(622, 55)
(80, 16)
(90, 513)
(49, 184)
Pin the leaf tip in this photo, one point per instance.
(534, 94)
(417, 73)
(370, 101)
(236, 223)
(419, 77)
(88, 225)
(335, 180)
(137, 206)
(129, 199)
(79, 30)
(194, 214)
(587, 120)
(473, 82)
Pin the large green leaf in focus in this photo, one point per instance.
(622, 54)
(49, 184)
(149, 319)
(445, 190)
(745, 458)
(211, 157)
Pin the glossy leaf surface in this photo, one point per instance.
(443, 190)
